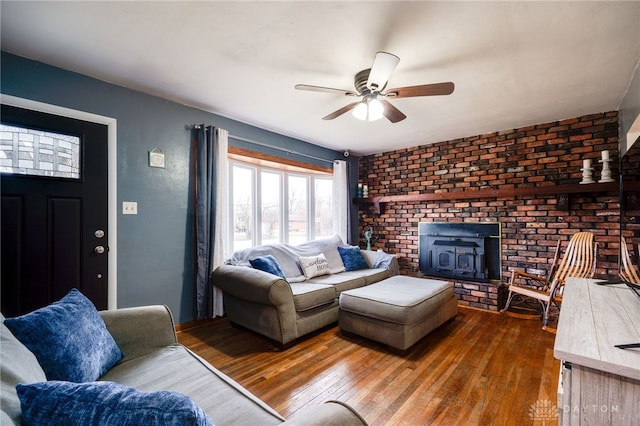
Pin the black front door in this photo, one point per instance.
(53, 223)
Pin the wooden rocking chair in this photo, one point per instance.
(628, 271)
(579, 260)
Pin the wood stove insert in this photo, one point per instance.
(467, 251)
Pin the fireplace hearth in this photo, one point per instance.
(466, 251)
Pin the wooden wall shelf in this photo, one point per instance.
(562, 192)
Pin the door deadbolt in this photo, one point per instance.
(99, 233)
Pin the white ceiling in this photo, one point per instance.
(513, 63)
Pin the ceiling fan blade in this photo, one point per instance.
(341, 111)
(383, 65)
(392, 113)
(325, 89)
(422, 90)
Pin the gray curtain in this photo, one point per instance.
(211, 147)
(352, 213)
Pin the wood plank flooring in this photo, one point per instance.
(480, 368)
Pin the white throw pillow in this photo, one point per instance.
(314, 265)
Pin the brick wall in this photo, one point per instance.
(544, 154)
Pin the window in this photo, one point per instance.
(244, 183)
(323, 218)
(271, 208)
(38, 153)
(298, 201)
(274, 203)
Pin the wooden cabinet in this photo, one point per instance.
(599, 384)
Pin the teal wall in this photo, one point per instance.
(155, 260)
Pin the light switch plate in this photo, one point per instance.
(129, 207)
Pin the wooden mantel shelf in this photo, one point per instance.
(561, 191)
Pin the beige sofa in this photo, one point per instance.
(286, 309)
(154, 360)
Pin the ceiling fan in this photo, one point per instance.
(370, 84)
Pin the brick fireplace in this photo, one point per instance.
(489, 165)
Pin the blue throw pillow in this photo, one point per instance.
(268, 263)
(352, 258)
(105, 404)
(68, 338)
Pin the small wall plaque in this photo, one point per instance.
(156, 158)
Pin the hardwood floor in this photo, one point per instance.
(480, 368)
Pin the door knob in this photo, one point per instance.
(99, 249)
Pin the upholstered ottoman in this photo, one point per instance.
(397, 311)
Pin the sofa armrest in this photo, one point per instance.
(140, 330)
(330, 413)
(252, 285)
(371, 256)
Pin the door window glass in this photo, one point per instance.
(34, 152)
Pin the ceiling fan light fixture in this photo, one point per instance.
(369, 110)
(376, 110)
(361, 111)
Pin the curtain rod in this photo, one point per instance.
(251, 141)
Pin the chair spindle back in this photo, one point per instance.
(627, 271)
(579, 259)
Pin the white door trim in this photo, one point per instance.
(111, 123)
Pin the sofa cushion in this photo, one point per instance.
(352, 258)
(106, 403)
(268, 264)
(224, 400)
(307, 296)
(351, 279)
(69, 339)
(372, 275)
(17, 365)
(314, 266)
(340, 282)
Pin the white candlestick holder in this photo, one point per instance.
(587, 172)
(606, 171)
